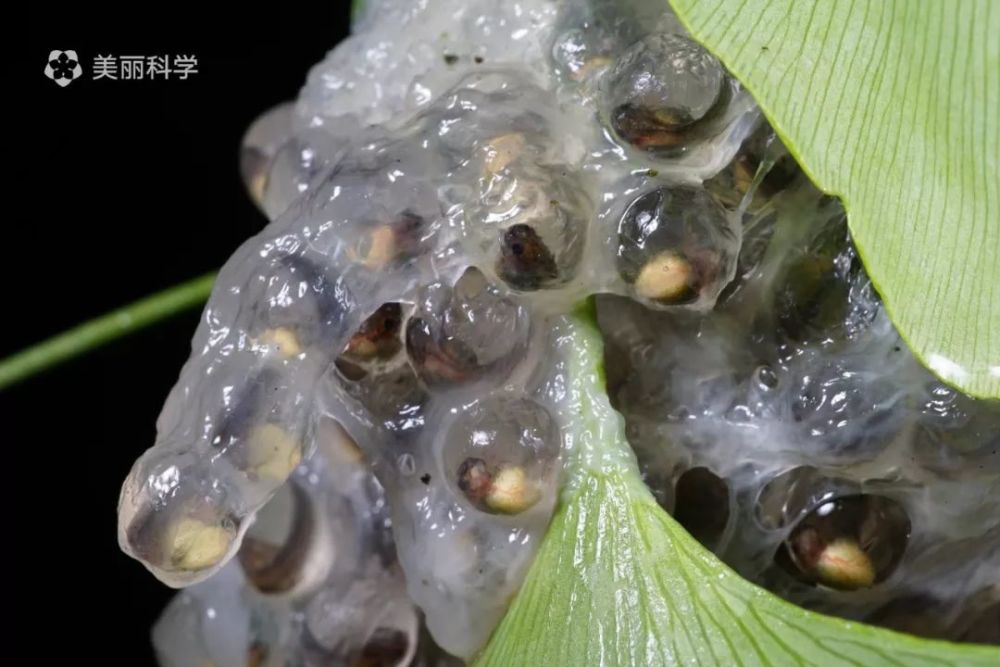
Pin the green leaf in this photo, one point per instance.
(618, 582)
(895, 107)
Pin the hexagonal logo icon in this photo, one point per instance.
(63, 67)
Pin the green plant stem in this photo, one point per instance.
(106, 328)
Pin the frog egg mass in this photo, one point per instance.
(362, 455)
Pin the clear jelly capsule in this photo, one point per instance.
(372, 370)
(762, 150)
(580, 54)
(847, 543)
(395, 241)
(395, 398)
(184, 504)
(676, 245)
(487, 116)
(533, 218)
(368, 621)
(822, 294)
(502, 455)
(589, 34)
(852, 413)
(250, 435)
(179, 525)
(296, 164)
(262, 140)
(304, 303)
(375, 344)
(787, 496)
(586, 40)
(956, 432)
(663, 94)
(377, 213)
(282, 539)
(466, 332)
(209, 624)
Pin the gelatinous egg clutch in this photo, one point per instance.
(366, 441)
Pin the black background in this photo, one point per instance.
(113, 190)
